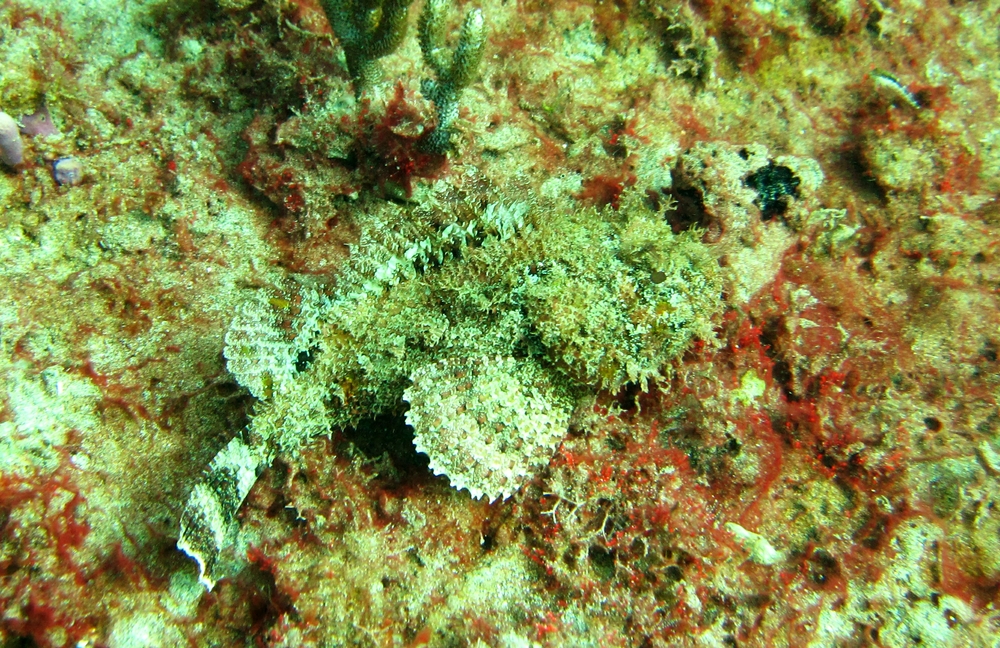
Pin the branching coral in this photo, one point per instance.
(453, 73)
(370, 29)
(367, 31)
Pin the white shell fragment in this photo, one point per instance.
(757, 546)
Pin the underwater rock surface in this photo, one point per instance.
(499, 324)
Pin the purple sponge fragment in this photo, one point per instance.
(11, 146)
(38, 123)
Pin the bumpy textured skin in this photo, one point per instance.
(499, 411)
(490, 323)
(262, 354)
(258, 353)
(208, 522)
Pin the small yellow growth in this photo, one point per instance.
(751, 388)
(234, 5)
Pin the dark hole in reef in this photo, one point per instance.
(868, 244)
(304, 359)
(627, 396)
(824, 20)
(782, 373)
(615, 443)
(569, 556)
(824, 567)
(989, 352)
(603, 561)
(389, 435)
(612, 139)
(933, 424)
(872, 24)
(735, 44)
(673, 573)
(774, 185)
(253, 599)
(851, 167)
(872, 534)
(690, 211)
(923, 98)
(772, 332)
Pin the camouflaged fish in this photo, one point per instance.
(486, 330)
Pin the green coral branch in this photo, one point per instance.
(367, 31)
(453, 73)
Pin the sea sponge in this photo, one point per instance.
(11, 146)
